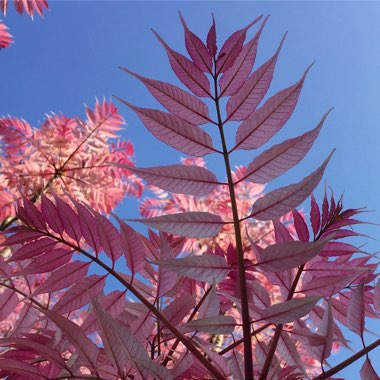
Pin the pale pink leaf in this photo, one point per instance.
(5, 36)
(184, 362)
(80, 294)
(367, 371)
(175, 132)
(8, 302)
(182, 179)
(281, 157)
(190, 224)
(281, 233)
(206, 267)
(196, 49)
(177, 101)
(220, 324)
(85, 348)
(280, 201)
(326, 329)
(282, 256)
(165, 278)
(289, 311)
(376, 297)
(264, 123)
(142, 326)
(356, 310)
(236, 75)
(287, 351)
(301, 226)
(307, 337)
(232, 47)
(63, 277)
(242, 104)
(134, 249)
(179, 308)
(187, 71)
(210, 306)
(236, 365)
(18, 367)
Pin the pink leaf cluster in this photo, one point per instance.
(5, 36)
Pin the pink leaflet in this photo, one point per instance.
(5, 36)
(177, 101)
(84, 347)
(281, 233)
(326, 330)
(287, 351)
(281, 157)
(49, 261)
(8, 302)
(219, 324)
(109, 238)
(26, 317)
(305, 336)
(142, 326)
(80, 294)
(367, 371)
(280, 201)
(207, 268)
(376, 297)
(356, 311)
(63, 277)
(315, 216)
(232, 80)
(33, 249)
(21, 368)
(334, 248)
(211, 39)
(282, 256)
(210, 306)
(187, 71)
(232, 47)
(196, 224)
(50, 212)
(236, 365)
(196, 49)
(35, 217)
(21, 237)
(182, 179)
(165, 278)
(301, 227)
(289, 311)
(243, 103)
(175, 132)
(178, 309)
(69, 219)
(264, 123)
(133, 247)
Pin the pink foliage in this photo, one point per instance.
(5, 37)
(28, 6)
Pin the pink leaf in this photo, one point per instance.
(282, 256)
(242, 104)
(21, 237)
(33, 249)
(300, 226)
(84, 347)
(8, 302)
(211, 39)
(5, 36)
(210, 306)
(26, 318)
(338, 249)
(220, 324)
(182, 179)
(80, 294)
(376, 297)
(280, 201)
(315, 216)
(326, 329)
(281, 157)
(307, 337)
(175, 132)
(207, 268)
(63, 277)
(236, 75)
(269, 119)
(35, 217)
(21, 368)
(281, 233)
(232, 47)
(289, 311)
(69, 219)
(175, 100)
(196, 49)
(165, 279)
(367, 371)
(134, 249)
(356, 310)
(287, 351)
(50, 212)
(190, 224)
(187, 72)
(178, 309)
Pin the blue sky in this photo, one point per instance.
(71, 57)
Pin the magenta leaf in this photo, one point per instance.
(206, 267)
(367, 371)
(196, 49)
(282, 256)
(326, 330)
(134, 248)
(177, 101)
(244, 102)
(34, 249)
(301, 226)
(232, 47)
(50, 212)
(376, 297)
(178, 309)
(187, 71)
(280, 201)
(211, 39)
(182, 179)
(236, 75)
(315, 216)
(25, 370)
(288, 352)
(80, 294)
(270, 118)
(210, 306)
(175, 132)
(8, 302)
(281, 157)
(190, 224)
(356, 310)
(220, 324)
(289, 311)
(85, 348)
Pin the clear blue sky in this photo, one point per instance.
(71, 57)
